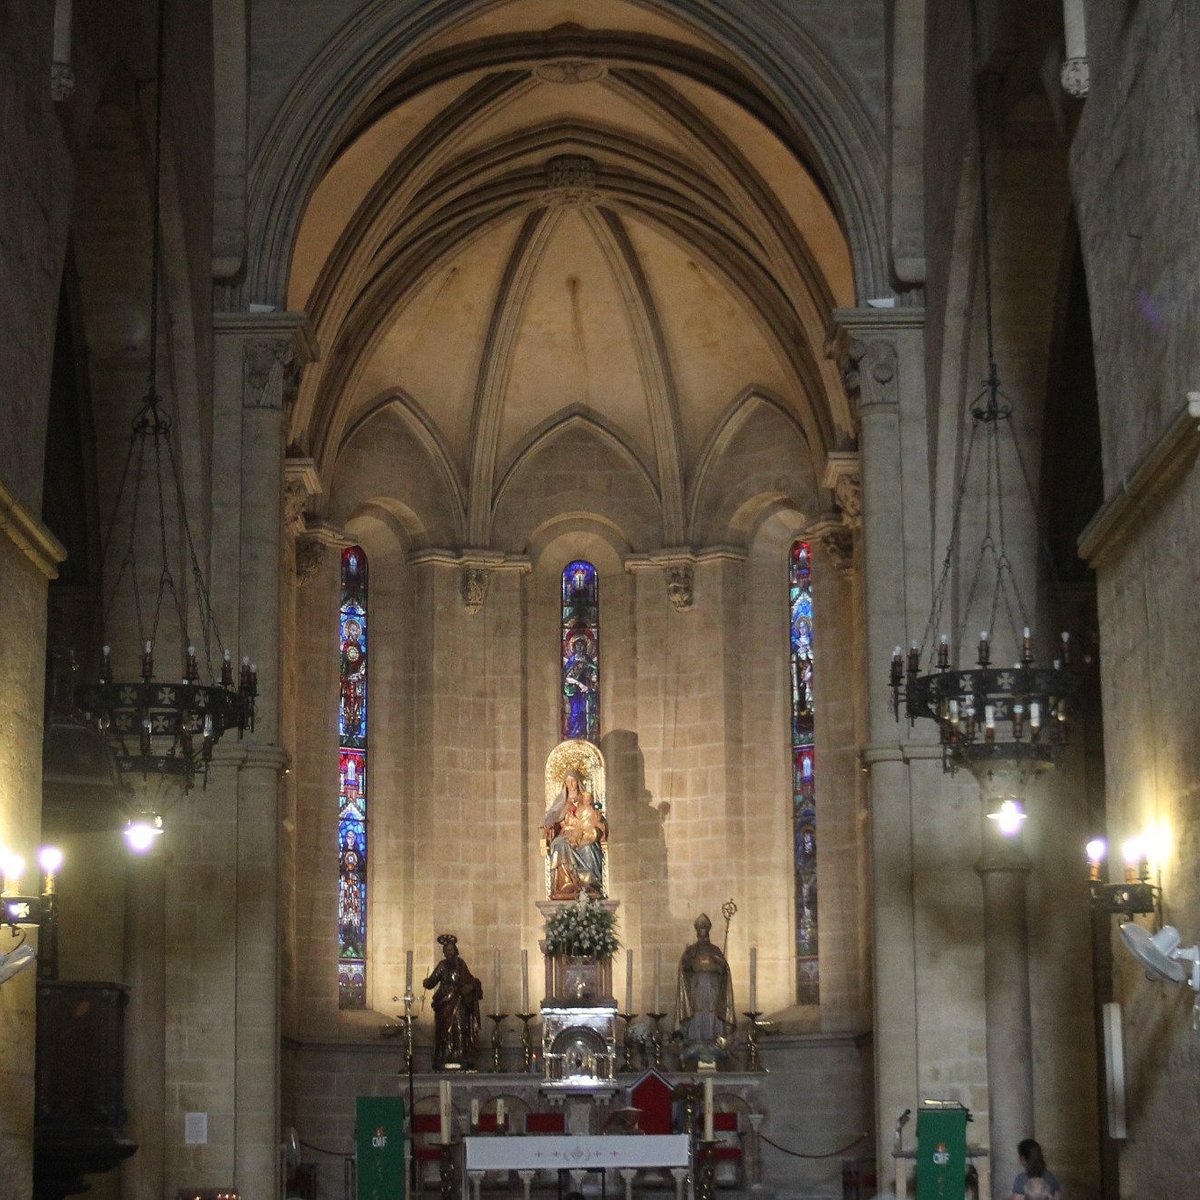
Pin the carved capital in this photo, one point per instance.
(62, 82)
(271, 375)
(301, 483)
(680, 579)
(1075, 77)
(310, 552)
(473, 585)
(836, 536)
(871, 371)
(843, 479)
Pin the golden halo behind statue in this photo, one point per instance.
(578, 755)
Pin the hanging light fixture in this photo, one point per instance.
(167, 726)
(990, 716)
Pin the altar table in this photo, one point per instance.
(627, 1153)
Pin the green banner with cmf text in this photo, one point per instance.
(380, 1142)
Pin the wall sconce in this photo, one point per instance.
(1135, 894)
(20, 911)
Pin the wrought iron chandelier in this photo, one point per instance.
(163, 727)
(990, 716)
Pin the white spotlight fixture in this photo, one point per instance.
(1161, 954)
(15, 961)
(142, 830)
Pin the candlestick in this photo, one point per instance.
(497, 1019)
(629, 981)
(524, 980)
(444, 1111)
(753, 978)
(408, 968)
(708, 1110)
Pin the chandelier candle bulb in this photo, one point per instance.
(1026, 645)
(629, 981)
(227, 670)
(897, 667)
(985, 649)
(914, 659)
(754, 979)
(106, 664)
(1066, 645)
(944, 651)
(192, 670)
(524, 981)
(148, 661)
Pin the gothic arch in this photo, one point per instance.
(812, 97)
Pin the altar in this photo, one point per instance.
(624, 1153)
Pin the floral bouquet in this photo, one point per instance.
(582, 929)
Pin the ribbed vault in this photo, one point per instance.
(530, 232)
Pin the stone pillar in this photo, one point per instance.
(886, 369)
(1004, 869)
(222, 898)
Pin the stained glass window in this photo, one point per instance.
(352, 782)
(580, 651)
(804, 816)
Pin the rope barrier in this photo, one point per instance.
(862, 1137)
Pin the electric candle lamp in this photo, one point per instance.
(897, 667)
(1131, 852)
(50, 859)
(1095, 850)
(1026, 645)
(985, 648)
(106, 664)
(192, 670)
(13, 866)
(944, 651)
(148, 661)
(914, 659)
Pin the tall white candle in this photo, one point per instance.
(444, 1111)
(499, 1113)
(754, 979)
(408, 961)
(708, 1110)
(496, 979)
(524, 981)
(475, 1114)
(629, 981)
(657, 973)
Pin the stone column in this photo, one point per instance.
(1004, 869)
(222, 898)
(886, 370)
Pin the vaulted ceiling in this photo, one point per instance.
(538, 223)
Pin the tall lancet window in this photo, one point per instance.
(580, 651)
(352, 782)
(804, 814)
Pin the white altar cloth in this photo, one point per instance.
(570, 1152)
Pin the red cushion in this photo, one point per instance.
(726, 1122)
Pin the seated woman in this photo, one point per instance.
(575, 832)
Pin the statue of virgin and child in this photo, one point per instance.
(574, 831)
